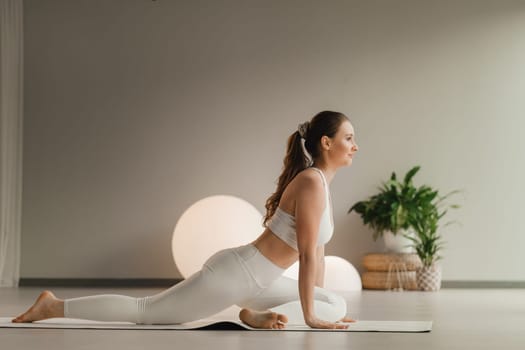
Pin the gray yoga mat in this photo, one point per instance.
(213, 324)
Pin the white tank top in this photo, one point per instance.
(282, 224)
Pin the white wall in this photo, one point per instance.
(137, 109)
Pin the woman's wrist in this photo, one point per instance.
(308, 318)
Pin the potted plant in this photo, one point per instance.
(394, 210)
(403, 210)
(428, 242)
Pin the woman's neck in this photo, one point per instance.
(328, 172)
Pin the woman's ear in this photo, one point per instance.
(326, 142)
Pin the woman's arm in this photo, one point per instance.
(308, 211)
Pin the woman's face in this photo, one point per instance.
(342, 145)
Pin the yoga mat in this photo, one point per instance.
(212, 324)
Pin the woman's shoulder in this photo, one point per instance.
(309, 179)
(306, 185)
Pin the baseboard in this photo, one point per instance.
(99, 282)
(483, 284)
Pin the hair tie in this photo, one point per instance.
(303, 129)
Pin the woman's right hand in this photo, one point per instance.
(318, 323)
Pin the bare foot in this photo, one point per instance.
(46, 306)
(263, 319)
(347, 320)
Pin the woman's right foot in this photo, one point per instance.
(46, 306)
(263, 319)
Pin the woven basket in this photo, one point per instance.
(396, 280)
(384, 262)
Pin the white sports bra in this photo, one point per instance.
(282, 224)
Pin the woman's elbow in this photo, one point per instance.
(307, 257)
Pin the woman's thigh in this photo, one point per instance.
(222, 282)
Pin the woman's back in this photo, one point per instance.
(283, 223)
(279, 246)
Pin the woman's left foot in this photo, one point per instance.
(46, 306)
(263, 319)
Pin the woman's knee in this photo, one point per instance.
(333, 305)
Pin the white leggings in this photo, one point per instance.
(237, 276)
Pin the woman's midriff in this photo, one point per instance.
(275, 249)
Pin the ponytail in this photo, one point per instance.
(294, 162)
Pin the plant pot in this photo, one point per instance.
(398, 243)
(429, 278)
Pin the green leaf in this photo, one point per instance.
(410, 174)
(393, 176)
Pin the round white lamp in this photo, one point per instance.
(339, 274)
(212, 224)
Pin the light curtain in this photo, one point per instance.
(11, 117)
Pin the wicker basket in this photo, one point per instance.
(385, 262)
(385, 281)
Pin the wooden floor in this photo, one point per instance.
(463, 319)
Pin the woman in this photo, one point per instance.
(298, 223)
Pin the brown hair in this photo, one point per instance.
(323, 123)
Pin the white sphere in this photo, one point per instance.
(212, 224)
(339, 274)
